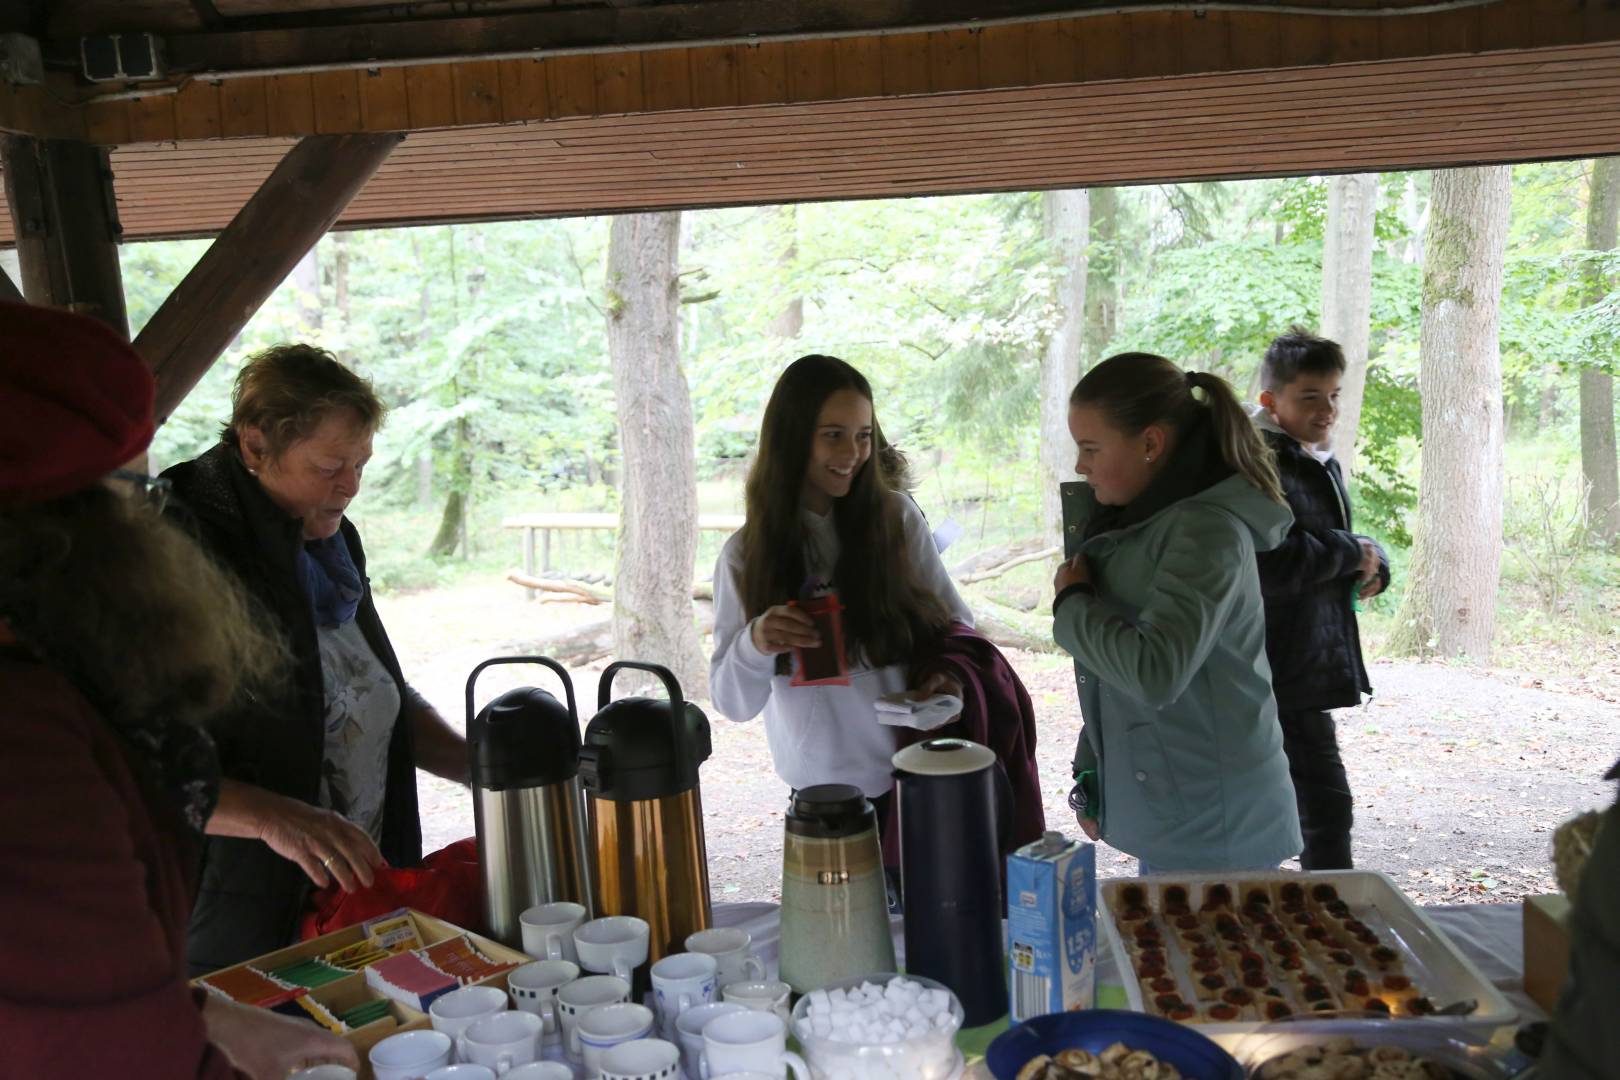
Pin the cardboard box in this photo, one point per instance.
(1546, 948)
(345, 993)
(1051, 927)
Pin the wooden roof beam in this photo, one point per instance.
(336, 40)
(66, 225)
(292, 210)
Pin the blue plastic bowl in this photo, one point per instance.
(1193, 1055)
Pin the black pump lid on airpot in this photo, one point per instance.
(830, 812)
(524, 737)
(643, 748)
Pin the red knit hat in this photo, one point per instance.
(75, 402)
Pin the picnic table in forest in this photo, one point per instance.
(546, 523)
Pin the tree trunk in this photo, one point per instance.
(790, 320)
(1450, 604)
(306, 282)
(1347, 295)
(340, 274)
(452, 531)
(1601, 480)
(652, 605)
(1102, 262)
(1067, 216)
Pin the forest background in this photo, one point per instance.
(490, 342)
(1482, 303)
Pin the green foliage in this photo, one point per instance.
(1391, 428)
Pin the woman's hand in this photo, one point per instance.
(782, 628)
(270, 1047)
(325, 845)
(1073, 572)
(1088, 825)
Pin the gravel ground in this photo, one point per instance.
(1460, 774)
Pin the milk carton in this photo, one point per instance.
(1051, 922)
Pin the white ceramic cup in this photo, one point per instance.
(689, 1031)
(583, 995)
(615, 945)
(548, 930)
(748, 1041)
(501, 1041)
(534, 988)
(410, 1055)
(642, 1059)
(458, 1010)
(324, 1072)
(680, 982)
(542, 1070)
(606, 1026)
(731, 949)
(462, 1072)
(763, 996)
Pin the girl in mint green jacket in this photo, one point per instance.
(1180, 762)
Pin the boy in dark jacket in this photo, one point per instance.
(1311, 584)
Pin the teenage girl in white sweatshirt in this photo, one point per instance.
(823, 512)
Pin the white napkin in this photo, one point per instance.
(899, 710)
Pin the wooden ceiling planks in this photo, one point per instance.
(1395, 114)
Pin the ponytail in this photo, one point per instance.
(1240, 444)
(1137, 389)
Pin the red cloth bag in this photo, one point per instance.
(447, 885)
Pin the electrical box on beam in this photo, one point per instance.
(122, 57)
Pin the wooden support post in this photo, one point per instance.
(66, 224)
(292, 210)
(528, 561)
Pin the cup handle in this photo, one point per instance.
(554, 949)
(548, 1016)
(796, 1065)
(573, 1041)
(505, 1062)
(459, 1046)
(755, 967)
(703, 1065)
(623, 968)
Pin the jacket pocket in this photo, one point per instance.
(1158, 789)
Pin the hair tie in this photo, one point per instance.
(1191, 379)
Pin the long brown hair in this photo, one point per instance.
(887, 614)
(130, 609)
(1134, 390)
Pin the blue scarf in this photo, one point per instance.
(330, 580)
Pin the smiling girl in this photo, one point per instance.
(1180, 762)
(824, 514)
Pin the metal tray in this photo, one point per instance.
(1433, 961)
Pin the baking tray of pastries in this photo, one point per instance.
(1230, 951)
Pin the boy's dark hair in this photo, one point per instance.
(1297, 353)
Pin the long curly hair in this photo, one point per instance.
(887, 614)
(130, 609)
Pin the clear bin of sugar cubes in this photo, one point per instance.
(880, 1027)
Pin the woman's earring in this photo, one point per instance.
(1150, 459)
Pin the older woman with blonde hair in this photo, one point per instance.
(118, 638)
(319, 771)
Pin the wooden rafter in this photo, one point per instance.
(66, 225)
(292, 210)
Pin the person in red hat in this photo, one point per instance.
(118, 637)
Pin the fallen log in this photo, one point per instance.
(1002, 567)
(579, 590)
(979, 560)
(1009, 628)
